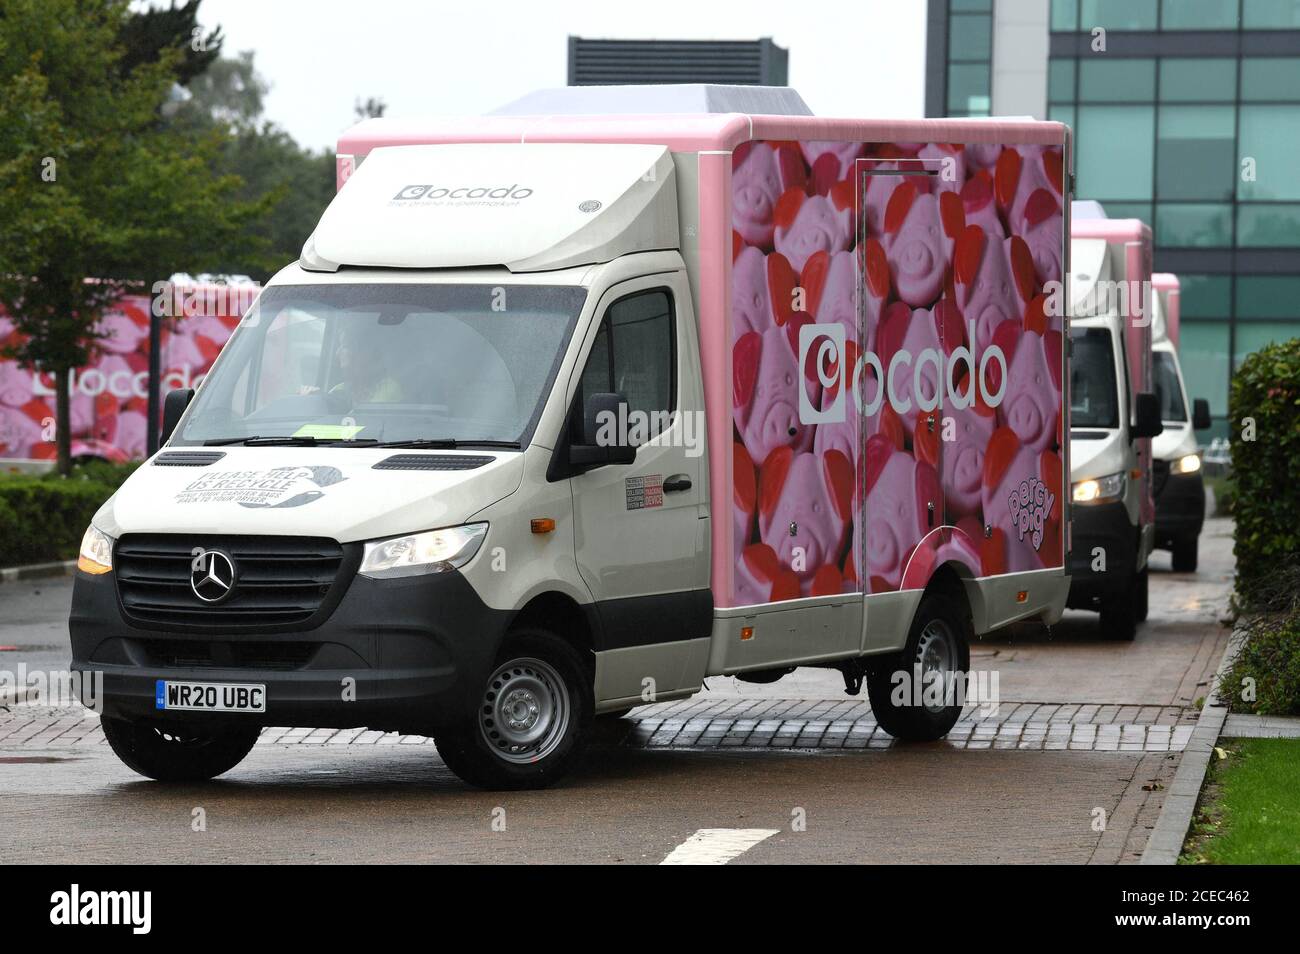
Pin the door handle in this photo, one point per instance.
(677, 482)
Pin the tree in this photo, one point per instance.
(97, 196)
(148, 32)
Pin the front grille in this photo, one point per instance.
(228, 654)
(1159, 474)
(281, 581)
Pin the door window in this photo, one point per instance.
(634, 355)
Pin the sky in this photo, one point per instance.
(861, 59)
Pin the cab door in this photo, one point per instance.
(641, 529)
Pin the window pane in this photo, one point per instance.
(1268, 225)
(969, 37)
(1197, 80)
(1205, 296)
(1270, 78)
(1268, 296)
(1198, 15)
(596, 378)
(1271, 14)
(1203, 353)
(1185, 224)
(1253, 335)
(1196, 152)
(1270, 135)
(1117, 81)
(643, 352)
(985, 6)
(1167, 389)
(1060, 80)
(1118, 14)
(1115, 148)
(968, 87)
(1065, 15)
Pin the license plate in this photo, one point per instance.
(210, 696)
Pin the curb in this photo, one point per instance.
(35, 571)
(1166, 842)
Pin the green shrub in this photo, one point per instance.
(1267, 668)
(43, 518)
(1265, 467)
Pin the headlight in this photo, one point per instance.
(1101, 489)
(433, 551)
(1187, 465)
(96, 552)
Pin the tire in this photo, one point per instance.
(939, 640)
(1141, 594)
(1120, 612)
(178, 753)
(1185, 554)
(548, 688)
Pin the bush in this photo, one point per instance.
(43, 518)
(1265, 676)
(1265, 467)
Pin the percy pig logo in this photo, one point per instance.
(1030, 506)
(277, 487)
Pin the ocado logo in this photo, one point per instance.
(428, 191)
(829, 339)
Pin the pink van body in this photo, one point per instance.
(911, 236)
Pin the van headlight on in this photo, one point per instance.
(1187, 465)
(1100, 490)
(434, 551)
(96, 555)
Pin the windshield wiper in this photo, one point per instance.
(301, 440)
(447, 443)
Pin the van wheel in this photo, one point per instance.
(937, 655)
(532, 717)
(178, 753)
(1141, 594)
(1120, 612)
(1185, 554)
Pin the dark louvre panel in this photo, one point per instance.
(729, 62)
(432, 462)
(280, 580)
(196, 459)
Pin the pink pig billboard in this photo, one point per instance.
(110, 395)
(896, 360)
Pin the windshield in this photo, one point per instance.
(1168, 389)
(462, 363)
(1094, 397)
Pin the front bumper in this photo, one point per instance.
(1180, 508)
(1105, 527)
(399, 655)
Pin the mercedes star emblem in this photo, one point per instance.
(212, 575)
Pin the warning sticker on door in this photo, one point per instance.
(647, 491)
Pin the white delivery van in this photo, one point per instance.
(558, 415)
(1114, 414)
(1176, 469)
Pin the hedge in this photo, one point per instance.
(42, 518)
(1264, 421)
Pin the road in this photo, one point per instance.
(1069, 767)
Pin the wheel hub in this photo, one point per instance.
(525, 710)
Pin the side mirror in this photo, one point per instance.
(1200, 414)
(1146, 415)
(174, 406)
(601, 443)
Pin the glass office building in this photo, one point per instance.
(1187, 115)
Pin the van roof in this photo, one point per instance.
(688, 132)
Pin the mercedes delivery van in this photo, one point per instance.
(1114, 414)
(1176, 459)
(558, 415)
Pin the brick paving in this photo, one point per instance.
(746, 724)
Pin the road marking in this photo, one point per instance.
(717, 846)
